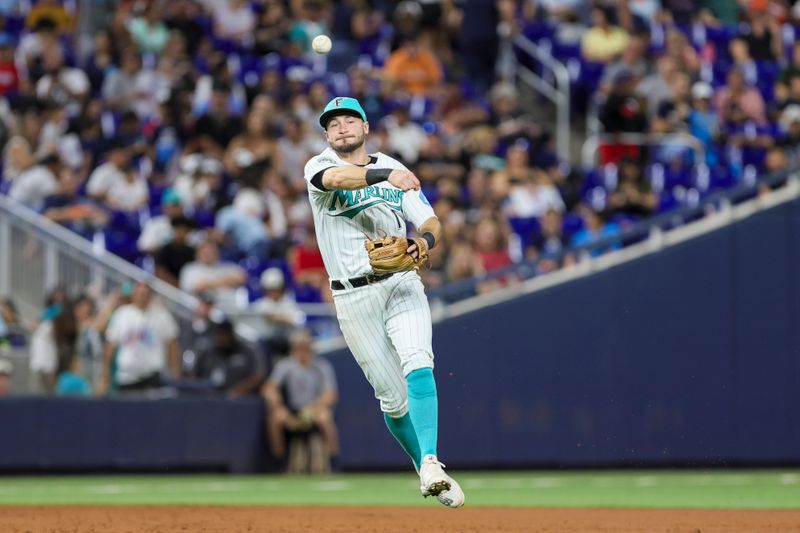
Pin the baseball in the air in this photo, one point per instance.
(321, 44)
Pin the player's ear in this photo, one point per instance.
(366, 127)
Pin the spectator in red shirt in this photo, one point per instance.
(9, 77)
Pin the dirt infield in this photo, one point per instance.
(223, 519)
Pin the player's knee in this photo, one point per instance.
(395, 409)
(417, 362)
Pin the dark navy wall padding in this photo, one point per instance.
(687, 356)
(99, 434)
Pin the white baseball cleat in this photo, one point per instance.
(452, 497)
(432, 478)
(434, 482)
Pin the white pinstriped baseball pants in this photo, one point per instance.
(387, 326)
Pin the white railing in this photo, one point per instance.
(558, 94)
(36, 255)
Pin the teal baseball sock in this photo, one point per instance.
(423, 407)
(403, 431)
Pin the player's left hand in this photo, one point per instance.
(416, 250)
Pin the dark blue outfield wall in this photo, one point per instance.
(688, 356)
(48, 434)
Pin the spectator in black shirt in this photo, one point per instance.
(623, 112)
(232, 367)
(218, 126)
(172, 257)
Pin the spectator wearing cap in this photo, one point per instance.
(35, 182)
(279, 310)
(9, 76)
(148, 30)
(207, 274)
(177, 253)
(108, 174)
(158, 230)
(143, 334)
(603, 42)
(622, 113)
(302, 388)
(703, 121)
(413, 68)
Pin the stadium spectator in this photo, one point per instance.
(633, 60)
(32, 46)
(681, 52)
(11, 330)
(61, 85)
(72, 210)
(148, 30)
(107, 175)
(279, 310)
(310, 20)
(413, 68)
(9, 76)
(764, 35)
(198, 185)
(547, 244)
(141, 337)
(253, 152)
(71, 381)
(53, 343)
(308, 270)
(177, 253)
(35, 182)
(746, 98)
(123, 86)
(529, 194)
(91, 324)
(633, 195)
(272, 28)
(218, 126)
(242, 227)
(130, 193)
(406, 138)
(158, 231)
(301, 393)
(207, 274)
(604, 41)
(295, 147)
(232, 367)
(234, 21)
(596, 229)
(51, 10)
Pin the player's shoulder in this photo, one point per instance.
(326, 157)
(386, 161)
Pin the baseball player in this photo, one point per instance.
(379, 297)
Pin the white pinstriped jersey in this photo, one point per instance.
(342, 218)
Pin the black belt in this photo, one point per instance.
(360, 281)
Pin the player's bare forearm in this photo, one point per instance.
(432, 226)
(351, 177)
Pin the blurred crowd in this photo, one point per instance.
(174, 133)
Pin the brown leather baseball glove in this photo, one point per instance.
(388, 254)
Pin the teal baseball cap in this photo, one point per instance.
(342, 105)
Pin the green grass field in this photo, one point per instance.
(740, 489)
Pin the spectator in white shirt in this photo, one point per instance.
(61, 85)
(279, 309)
(130, 193)
(36, 182)
(143, 334)
(107, 175)
(406, 138)
(210, 276)
(234, 20)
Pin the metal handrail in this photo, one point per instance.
(559, 95)
(98, 259)
(593, 142)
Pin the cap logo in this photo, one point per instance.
(338, 102)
